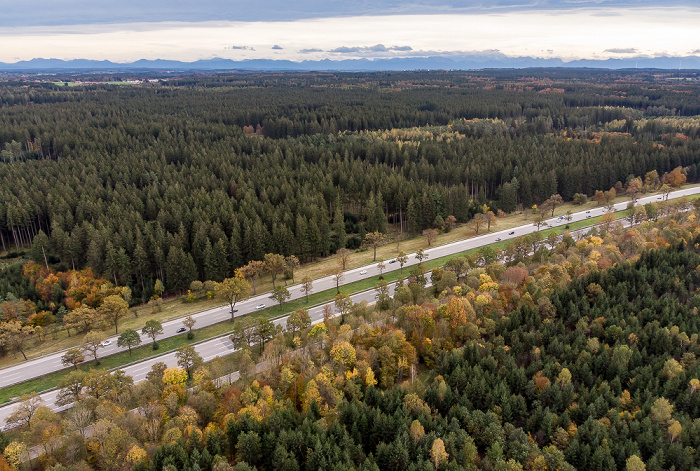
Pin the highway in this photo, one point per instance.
(221, 346)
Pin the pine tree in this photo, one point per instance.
(339, 225)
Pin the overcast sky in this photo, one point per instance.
(128, 30)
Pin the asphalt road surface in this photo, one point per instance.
(222, 346)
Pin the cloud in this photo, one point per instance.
(622, 50)
(573, 35)
(277, 47)
(369, 49)
(697, 51)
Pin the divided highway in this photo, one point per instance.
(222, 346)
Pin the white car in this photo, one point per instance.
(363, 272)
(106, 343)
(260, 306)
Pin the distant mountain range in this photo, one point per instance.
(470, 62)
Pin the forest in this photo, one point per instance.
(189, 178)
(580, 352)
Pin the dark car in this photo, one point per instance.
(392, 261)
(498, 239)
(181, 330)
(511, 233)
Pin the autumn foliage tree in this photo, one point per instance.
(233, 290)
(374, 240)
(113, 309)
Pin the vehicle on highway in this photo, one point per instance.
(363, 272)
(498, 239)
(234, 310)
(560, 218)
(587, 212)
(588, 217)
(511, 233)
(658, 198)
(260, 306)
(106, 343)
(180, 330)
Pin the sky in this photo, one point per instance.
(129, 30)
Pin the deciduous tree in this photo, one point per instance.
(402, 258)
(292, 264)
(337, 275)
(298, 321)
(152, 329)
(343, 304)
(189, 322)
(252, 271)
(188, 359)
(71, 388)
(374, 240)
(72, 357)
(430, 236)
(243, 333)
(92, 342)
(264, 331)
(81, 319)
(343, 255)
(306, 286)
(491, 220)
(233, 290)
(113, 309)
(477, 222)
(274, 265)
(552, 203)
(129, 339)
(15, 336)
(280, 294)
(438, 454)
(24, 410)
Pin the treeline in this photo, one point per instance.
(138, 181)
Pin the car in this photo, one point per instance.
(658, 198)
(560, 218)
(180, 330)
(393, 260)
(588, 217)
(587, 212)
(363, 272)
(234, 310)
(260, 306)
(106, 343)
(498, 239)
(511, 233)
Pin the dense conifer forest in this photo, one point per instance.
(190, 178)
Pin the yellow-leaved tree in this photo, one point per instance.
(175, 376)
(343, 353)
(438, 453)
(15, 453)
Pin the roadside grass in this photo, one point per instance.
(175, 307)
